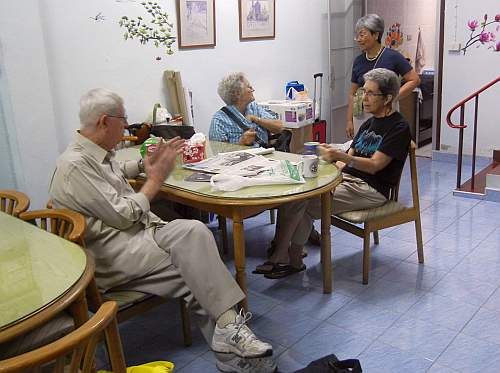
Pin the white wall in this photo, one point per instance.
(26, 97)
(60, 52)
(465, 74)
(85, 54)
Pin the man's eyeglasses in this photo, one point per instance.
(363, 92)
(125, 118)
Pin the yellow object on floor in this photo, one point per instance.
(153, 367)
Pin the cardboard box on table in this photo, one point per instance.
(297, 117)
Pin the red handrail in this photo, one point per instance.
(452, 110)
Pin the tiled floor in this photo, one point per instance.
(443, 316)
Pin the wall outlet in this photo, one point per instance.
(408, 37)
(455, 47)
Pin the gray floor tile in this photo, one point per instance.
(383, 358)
(365, 319)
(444, 311)
(468, 290)
(418, 337)
(468, 354)
(484, 325)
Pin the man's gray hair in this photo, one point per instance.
(388, 82)
(96, 102)
(373, 23)
(231, 87)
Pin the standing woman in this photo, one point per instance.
(369, 31)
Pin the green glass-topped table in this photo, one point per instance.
(249, 201)
(40, 275)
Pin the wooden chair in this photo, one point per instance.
(130, 303)
(64, 223)
(79, 346)
(13, 202)
(390, 214)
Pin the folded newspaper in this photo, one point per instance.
(236, 170)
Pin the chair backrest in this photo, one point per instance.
(394, 191)
(65, 223)
(13, 202)
(77, 348)
(413, 173)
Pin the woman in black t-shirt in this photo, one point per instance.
(370, 168)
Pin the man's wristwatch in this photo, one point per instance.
(140, 165)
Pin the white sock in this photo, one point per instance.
(226, 318)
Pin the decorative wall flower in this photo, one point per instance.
(158, 30)
(478, 33)
(473, 24)
(394, 38)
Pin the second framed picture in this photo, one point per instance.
(257, 19)
(196, 23)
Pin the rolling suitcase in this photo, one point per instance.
(319, 125)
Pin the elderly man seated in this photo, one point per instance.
(134, 249)
(241, 111)
(370, 168)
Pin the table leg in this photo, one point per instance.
(326, 248)
(80, 310)
(239, 256)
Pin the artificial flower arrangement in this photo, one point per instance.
(479, 34)
(394, 38)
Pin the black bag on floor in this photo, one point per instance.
(330, 364)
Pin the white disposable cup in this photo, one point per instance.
(310, 168)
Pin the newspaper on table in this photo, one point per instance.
(236, 170)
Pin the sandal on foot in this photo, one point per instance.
(284, 271)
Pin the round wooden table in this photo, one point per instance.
(41, 275)
(249, 201)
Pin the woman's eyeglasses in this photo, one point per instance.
(363, 92)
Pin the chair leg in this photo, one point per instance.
(186, 323)
(376, 238)
(366, 256)
(420, 245)
(223, 228)
(272, 216)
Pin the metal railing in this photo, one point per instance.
(462, 126)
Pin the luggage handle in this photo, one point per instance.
(315, 76)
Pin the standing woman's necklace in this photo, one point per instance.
(376, 56)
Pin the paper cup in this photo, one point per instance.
(310, 165)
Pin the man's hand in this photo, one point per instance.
(248, 137)
(158, 165)
(349, 130)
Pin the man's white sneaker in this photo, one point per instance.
(231, 363)
(238, 339)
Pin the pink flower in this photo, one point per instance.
(484, 37)
(497, 18)
(497, 47)
(473, 24)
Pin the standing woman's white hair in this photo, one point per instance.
(96, 102)
(230, 88)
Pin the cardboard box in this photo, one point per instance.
(293, 114)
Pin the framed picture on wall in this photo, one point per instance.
(195, 23)
(257, 19)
